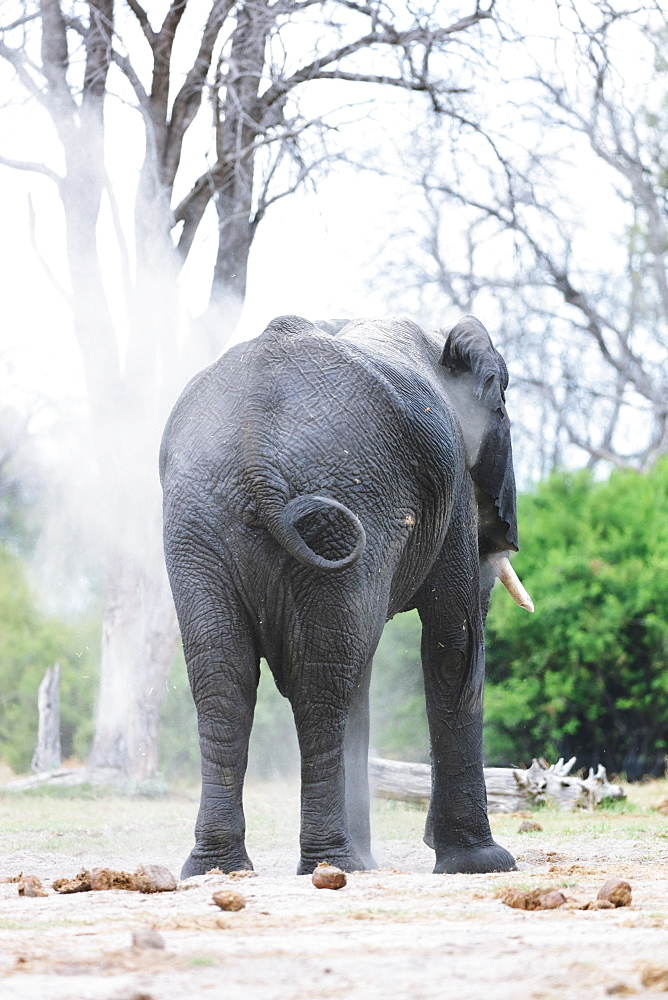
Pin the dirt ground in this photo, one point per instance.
(397, 932)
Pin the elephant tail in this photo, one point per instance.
(283, 526)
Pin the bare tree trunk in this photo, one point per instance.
(139, 636)
(47, 752)
(237, 129)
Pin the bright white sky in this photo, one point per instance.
(314, 254)
(310, 257)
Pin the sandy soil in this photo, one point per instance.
(398, 932)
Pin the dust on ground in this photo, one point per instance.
(396, 932)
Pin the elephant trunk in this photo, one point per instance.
(512, 582)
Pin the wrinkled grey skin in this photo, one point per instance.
(316, 482)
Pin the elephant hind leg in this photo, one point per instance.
(356, 755)
(327, 680)
(223, 667)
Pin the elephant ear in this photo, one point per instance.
(469, 351)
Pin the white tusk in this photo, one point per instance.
(512, 583)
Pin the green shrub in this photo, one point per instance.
(30, 643)
(273, 748)
(587, 674)
(398, 718)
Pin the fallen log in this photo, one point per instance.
(509, 789)
(396, 779)
(65, 777)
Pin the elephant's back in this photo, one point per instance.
(300, 413)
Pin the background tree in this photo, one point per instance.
(248, 148)
(547, 215)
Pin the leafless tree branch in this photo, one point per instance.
(45, 265)
(143, 20)
(188, 100)
(37, 168)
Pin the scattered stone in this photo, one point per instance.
(530, 826)
(616, 891)
(30, 885)
(533, 899)
(147, 937)
(655, 976)
(154, 878)
(147, 878)
(328, 876)
(80, 883)
(620, 990)
(131, 993)
(598, 904)
(12, 878)
(227, 899)
(102, 879)
(241, 873)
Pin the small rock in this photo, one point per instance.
(242, 873)
(529, 826)
(551, 900)
(598, 904)
(620, 990)
(534, 899)
(131, 993)
(30, 885)
(227, 899)
(154, 878)
(616, 891)
(147, 937)
(328, 876)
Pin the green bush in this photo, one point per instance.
(587, 674)
(398, 720)
(30, 643)
(178, 745)
(398, 717)
(273, 748)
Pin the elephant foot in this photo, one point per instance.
(346, 862)
(474, 860)
(200, 864)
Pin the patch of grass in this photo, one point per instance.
(72, 792)
(521, 886)
(394, 820)
(114, 824)
(26, 923)
(648, 793)
(199, 961)
(77, 820)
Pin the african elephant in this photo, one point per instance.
(316, 482)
